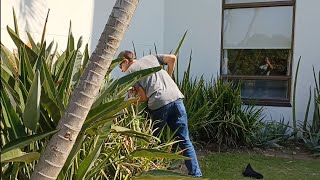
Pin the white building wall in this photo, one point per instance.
(31, 15)
(145, 30)
(306, 45)
(88, 19)
(163, 23)
(203, 18)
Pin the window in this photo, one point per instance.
(257, 46)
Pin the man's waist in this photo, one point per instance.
(158, 104)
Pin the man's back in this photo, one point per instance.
(159, 87)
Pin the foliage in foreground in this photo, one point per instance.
(37, 84)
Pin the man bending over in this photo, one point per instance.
(164, 99)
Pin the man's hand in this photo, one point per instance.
(141, 94)
(132, 92)
(170, 60)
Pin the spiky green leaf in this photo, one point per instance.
(31, 112)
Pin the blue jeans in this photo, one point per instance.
(174, 114)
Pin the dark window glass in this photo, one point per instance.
(264, 89)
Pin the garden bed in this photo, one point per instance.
(291, 150)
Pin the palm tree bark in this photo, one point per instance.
(60, 145)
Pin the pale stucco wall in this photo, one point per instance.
(88, 19)
(31, 16)
(202, 19)
(163, 23)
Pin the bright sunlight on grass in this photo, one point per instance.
(231, 165)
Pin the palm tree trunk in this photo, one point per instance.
(60, 145)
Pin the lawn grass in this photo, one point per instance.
(231, 165)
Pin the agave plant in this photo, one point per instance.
(311, 131)
(270, 134)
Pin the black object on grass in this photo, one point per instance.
(249, 172)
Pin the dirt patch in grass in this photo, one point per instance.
(290, 150)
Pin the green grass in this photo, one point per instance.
(231, 165)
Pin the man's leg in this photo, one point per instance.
(159, 117)
(179, 120)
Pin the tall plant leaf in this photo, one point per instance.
(88, 162)
(26, 63)
(44, 29)
(25, 141)
(12, 92)
(16, 155)
(9, 60)
(70, 43)
(16, 129)
(67, 75)
(154, 153)
(18, 42)
(52, 108)
(130, 78)
(177, 52)
(103, 108)
(16, 29)
(34, 46)
(294, 118)
(114, 64)
(75, 150)
(48, 82)
(6, 73)
(140, 74)
(31, 112)
(85, 58)
(76, 69)
(305, 122)
(130, 132)
(106, 111)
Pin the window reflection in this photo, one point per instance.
(258, 62)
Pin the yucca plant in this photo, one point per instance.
(215, 110)
(198, 105)
(128, 150)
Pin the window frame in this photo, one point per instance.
(264, 102)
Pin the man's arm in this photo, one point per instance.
(170, 60)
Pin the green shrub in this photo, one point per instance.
(216, 112)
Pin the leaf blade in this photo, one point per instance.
(24, 141)
(31, 112)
